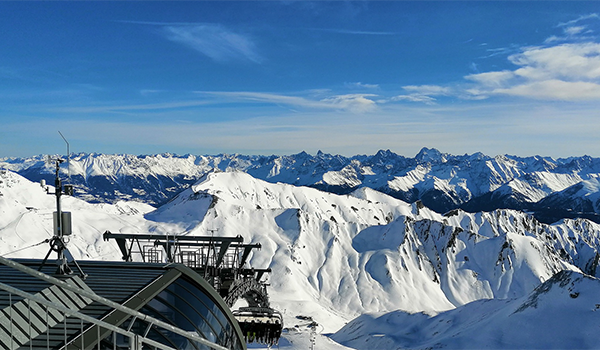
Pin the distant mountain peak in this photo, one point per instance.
(442, 181)
(430, 155)
(385, 153)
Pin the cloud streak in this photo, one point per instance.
(133, 107)
(219, 43)
(356, 103)
(579, 19)
(423, 93)
(214, 41)
(359, 85)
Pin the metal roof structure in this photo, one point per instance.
(155, 306)
(223, 263)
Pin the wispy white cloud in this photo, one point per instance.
(357, 103)
(116, 108)
(499, 51)
(567, 61)
(568, 72)
(423, 93)
(491, 79)
(215, 41)
(579, 19)
(324, 100)
(415, 98)
(566, 67)
(237, 96)
(573, 30)
(554, 90)
(570, 34)
(430, 90)
(359, 85)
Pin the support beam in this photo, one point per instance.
(222, 250)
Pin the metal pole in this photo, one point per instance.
(29, 317)
(47, 330)
(58, 192)
(82, 335)
(10, 311)
(68, 155)
(59, 234)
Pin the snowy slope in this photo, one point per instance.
(562, 313)
(522, 192)
(26, 220)
(334, 257)
(369, 252)
(579, 200)
(306, 236)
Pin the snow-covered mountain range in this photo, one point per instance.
(550, 188)
(380, 272)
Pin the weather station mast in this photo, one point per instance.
(62, 224)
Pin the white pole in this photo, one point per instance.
(68, 156)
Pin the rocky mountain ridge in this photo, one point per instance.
(550, 188)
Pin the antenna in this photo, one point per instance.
(62, 228)
(68, 155)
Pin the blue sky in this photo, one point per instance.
(275, 77)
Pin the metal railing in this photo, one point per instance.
(31, 301)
